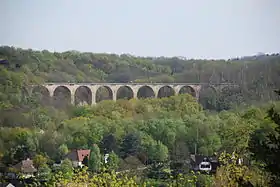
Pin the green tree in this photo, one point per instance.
(113, 161)
(265, 145)
(66, 168)
(44, 172)
(62, 151)
(159, 152)
(232, 174)
(108, 143)
(130, 145)
(39, 160)
(95, 159)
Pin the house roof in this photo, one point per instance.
(10, 185)
(25, 166)
(7, 184)
(199, 158)
(78, 155)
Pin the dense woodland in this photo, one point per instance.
(243, 119)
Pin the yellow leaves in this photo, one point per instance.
(231, 173)
(121, 179)
(84, 178)
(39, 160)
(77, 120)
(184, 104)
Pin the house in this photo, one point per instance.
(204, 163)
(10, 185)
(77, 156)
(7, 184)
(25, 168)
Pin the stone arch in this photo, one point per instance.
(103, 93)
(145, 92)
(125, 92)
(208, 97)
(61, 96)
(42, 94)
(166, 91)
(41, 89)
(83, 95)
(188, 90)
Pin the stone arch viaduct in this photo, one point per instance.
(113, 88)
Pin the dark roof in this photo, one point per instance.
(199, 158)
(25, 166)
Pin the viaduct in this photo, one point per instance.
(71, 89)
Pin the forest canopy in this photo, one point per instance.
(146, 131)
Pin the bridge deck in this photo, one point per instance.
(133, 83)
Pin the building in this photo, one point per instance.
(7, 184)
(10, 185)
(203, 163)
(77, 156)
(25, 168)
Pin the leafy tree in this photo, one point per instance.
(95, 159)
(108, 143)
(39, 160)
(160, 152)
(66, 168)
(44, 172)
(113, 161)
(30, 127)
(231, 173)
(103, 179)
(130, 145)
(62, 151)
(265, 145)
(157, 152)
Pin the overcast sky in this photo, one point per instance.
(190, 28)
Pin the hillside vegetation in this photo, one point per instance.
(257, 76)
(148, 131)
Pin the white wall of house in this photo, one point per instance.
(77, 164)
(205, 166)
(27, 175)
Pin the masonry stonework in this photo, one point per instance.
(114, 87)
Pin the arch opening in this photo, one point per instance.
(166, 91)
(145, 92)
(187, 90)
(104, 93)
(61, 97)
(41, 94)
(83, 96)
(125, 92)
(208, 97)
